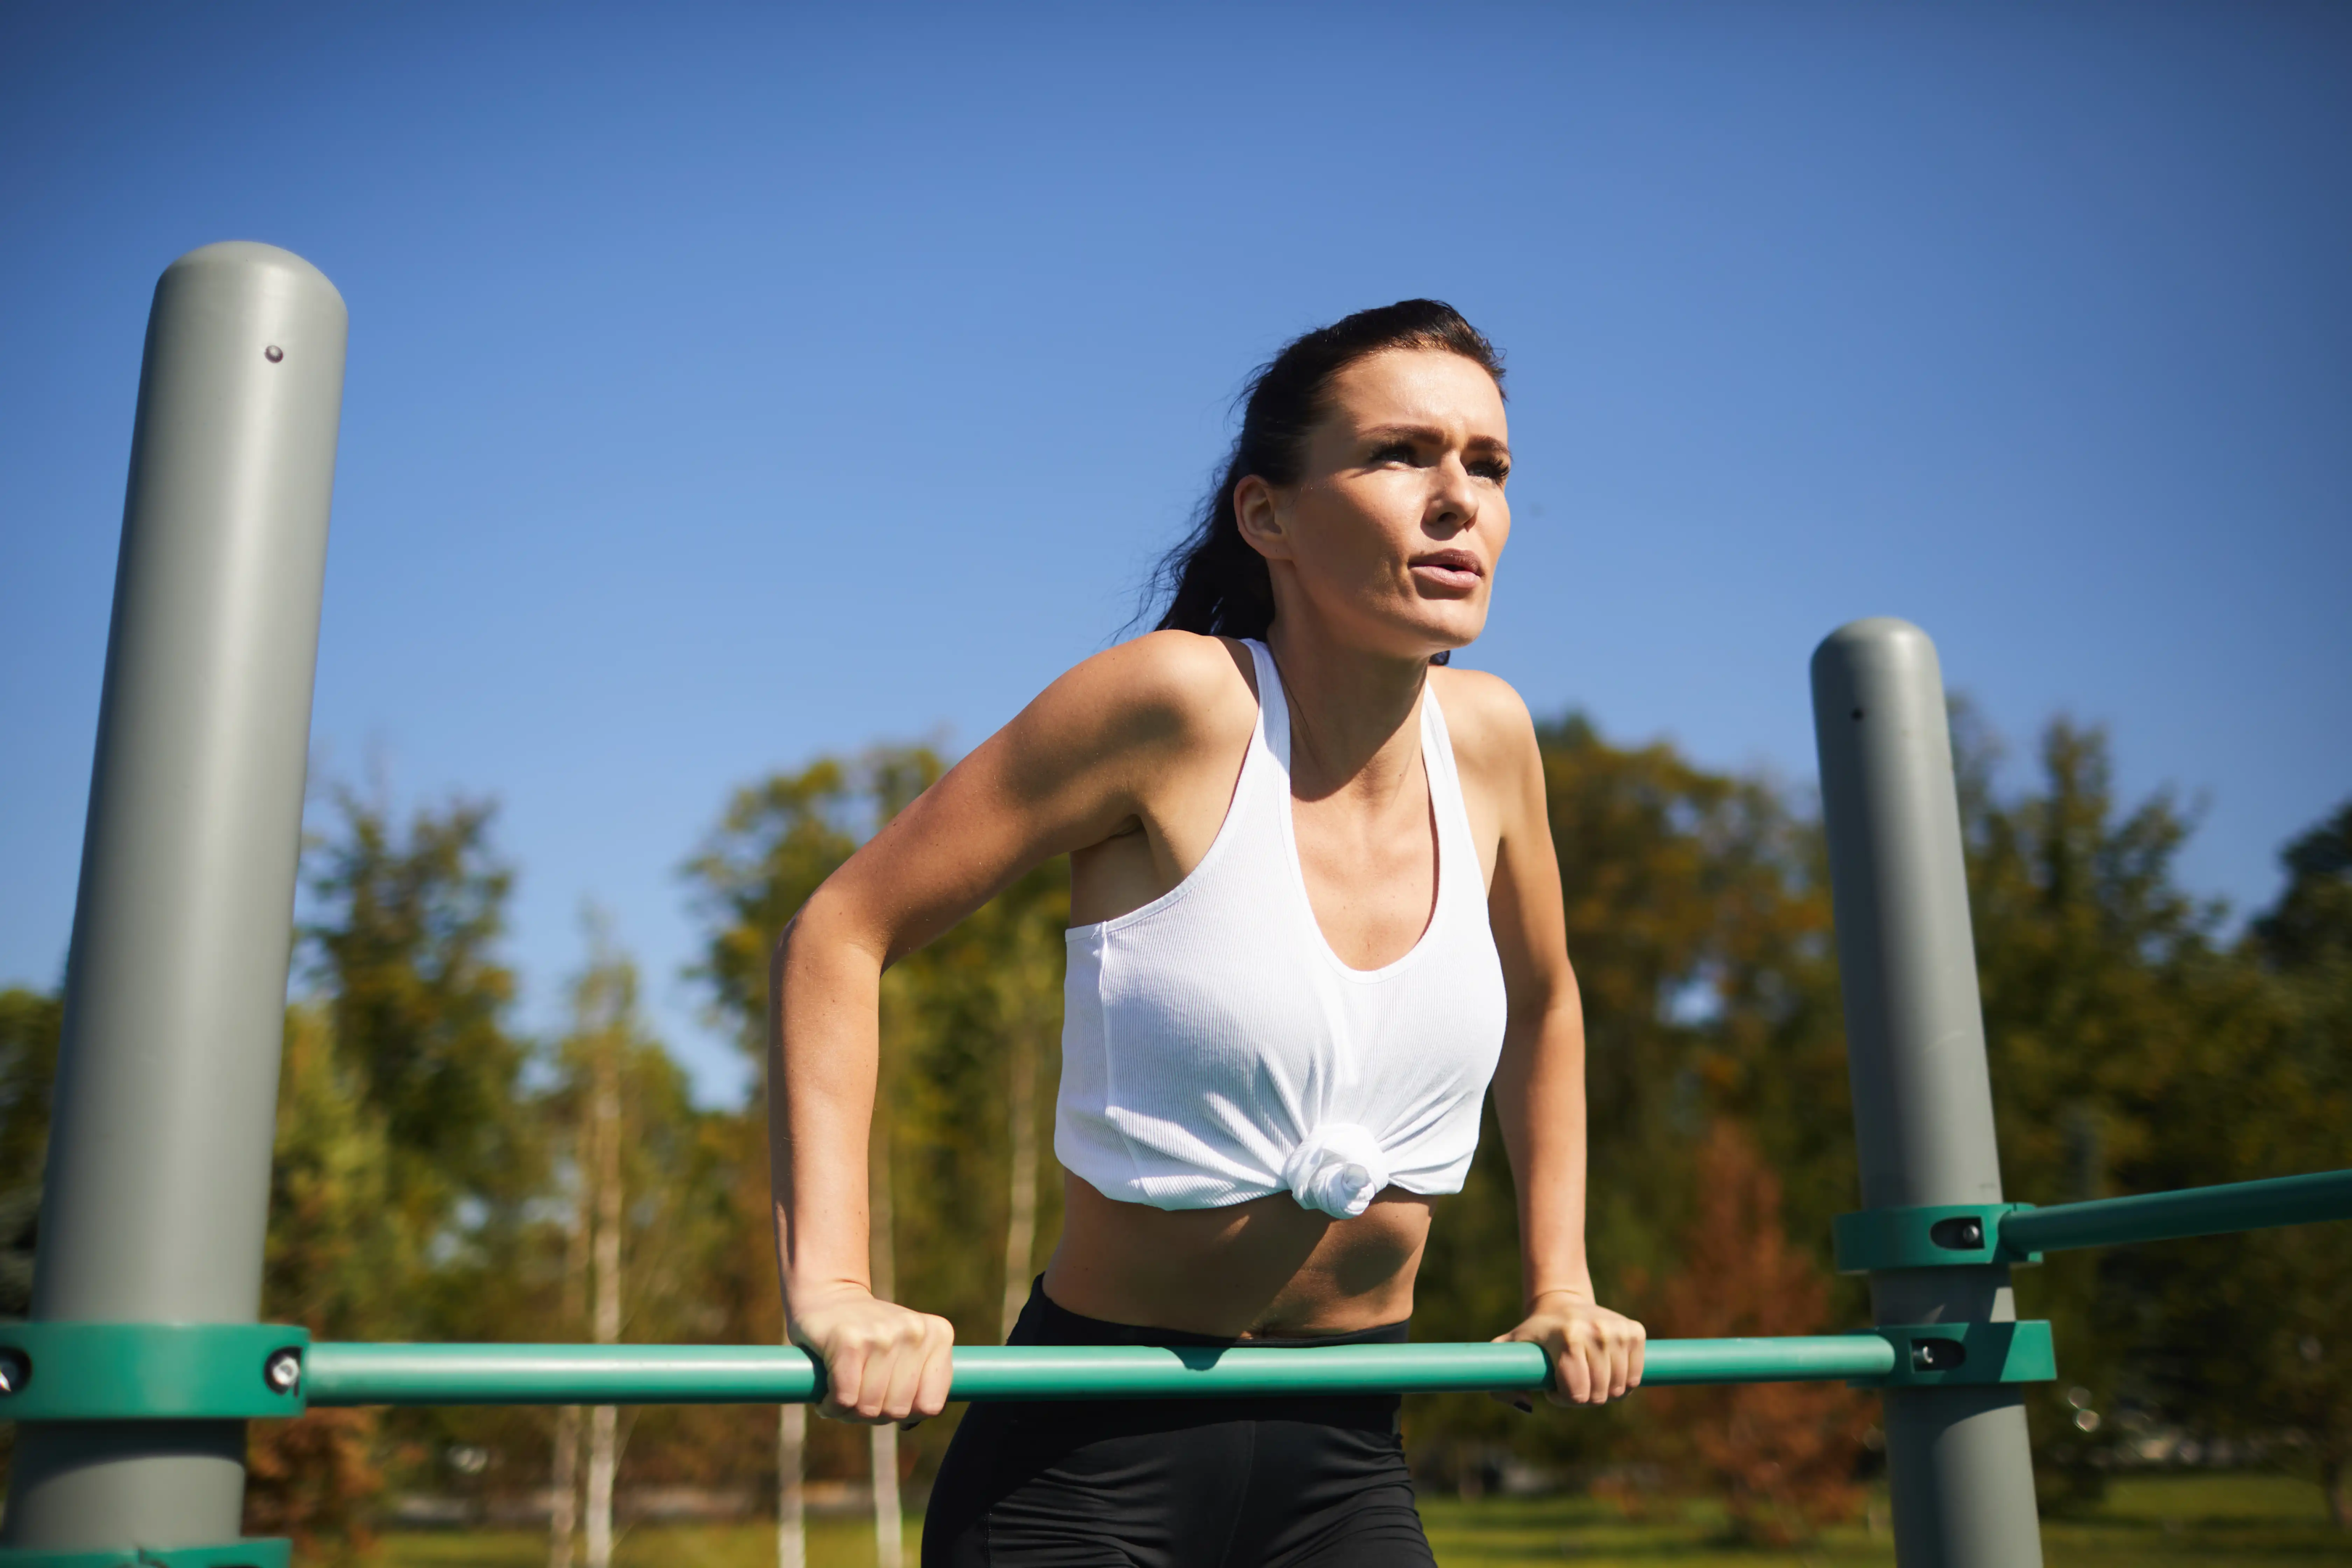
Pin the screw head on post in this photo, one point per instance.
(1936, 1355)
(283, 1370)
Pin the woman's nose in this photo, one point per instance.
(1453, 503)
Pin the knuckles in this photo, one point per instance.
(1596, 1356)
(865, 1356)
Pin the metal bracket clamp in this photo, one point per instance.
(1929, 1236)
(274, 1551)
(59, 1371)
(1932, 1355)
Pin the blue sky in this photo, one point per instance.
(731, 385)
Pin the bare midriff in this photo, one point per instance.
(1265, 1268)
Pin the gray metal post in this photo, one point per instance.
(1957, 1459)
(158, 1184)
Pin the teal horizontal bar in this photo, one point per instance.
(2195, 1210)
(775, 1374)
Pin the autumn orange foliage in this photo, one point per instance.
(1781, 1454)
(310, 1478)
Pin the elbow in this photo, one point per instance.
(823, 945)
(797, 947)
(779, 959)
(816, 922)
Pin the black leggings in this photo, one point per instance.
(1174, 1483)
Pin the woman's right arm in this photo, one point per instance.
(1075, 766)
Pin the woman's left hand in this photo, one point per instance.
(1595, 1353)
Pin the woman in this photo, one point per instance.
(1315, 911)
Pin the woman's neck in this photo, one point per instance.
(1351, 713)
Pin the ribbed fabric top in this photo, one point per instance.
(1214, 1050)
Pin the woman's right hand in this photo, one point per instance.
(882, 1362)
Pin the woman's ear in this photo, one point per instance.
(1258, 515)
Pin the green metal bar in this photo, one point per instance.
(271, 1553)
(2197, 1211)
(758, 1374)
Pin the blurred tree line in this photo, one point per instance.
(440, 1175)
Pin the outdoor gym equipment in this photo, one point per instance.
(142, 1360)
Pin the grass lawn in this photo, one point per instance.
(2221, 1522)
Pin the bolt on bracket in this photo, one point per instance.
(57, 1371)
(1928, 1235)
(1934, 1355)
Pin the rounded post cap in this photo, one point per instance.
(1881, 642)
(1876, 631)
(252, 255)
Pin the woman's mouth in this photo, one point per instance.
(1456, 571)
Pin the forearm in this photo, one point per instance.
(822, 1049)
(1596, 1354)
(1540, 1101)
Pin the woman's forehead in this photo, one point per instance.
(1420, 386)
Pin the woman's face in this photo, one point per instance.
(1389, 540)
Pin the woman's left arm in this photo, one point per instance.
(1596, 1353)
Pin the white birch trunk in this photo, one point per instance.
(564, 1487)
(890, 1526)
(604, 1446)
(791, 1528)
(564, 1477)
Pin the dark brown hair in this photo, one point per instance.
(1213, 581)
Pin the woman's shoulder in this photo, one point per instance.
(1165, 686)
(1183, 669)
(1494, 748)
(1485, 717)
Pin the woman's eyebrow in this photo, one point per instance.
(1429, 434)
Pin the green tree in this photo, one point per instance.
(329, 1253)
(30, 1024)
(2106, 1000)
(328, 1260)
(775, 843)
(2249, 1336)
(2297, 1299)
(404, 947)
(401, 953)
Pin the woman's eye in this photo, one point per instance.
(1395, 452)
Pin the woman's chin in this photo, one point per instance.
(1417, 629)
(1444, 635)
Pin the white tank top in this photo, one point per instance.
(1215, 1049)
